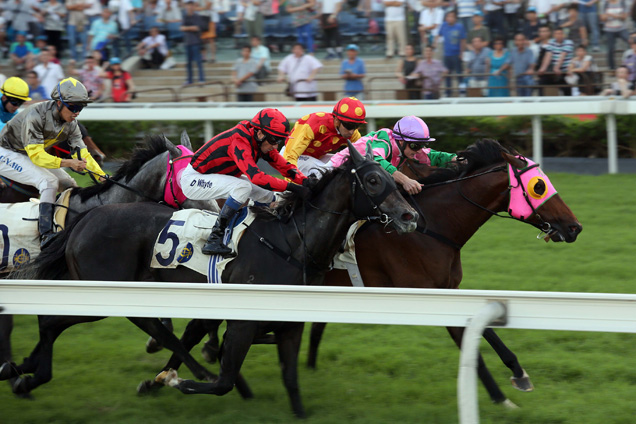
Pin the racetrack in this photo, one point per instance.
(378, 374)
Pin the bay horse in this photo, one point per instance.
(141, 178)
(279, 247)
(453, 205)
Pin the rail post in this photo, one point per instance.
(208, 130)
(371, 125)
(493, 312)
(537, 139)
(612, 144)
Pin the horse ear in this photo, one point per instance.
(513, 160)
(356, 157)
(185, 140)
(369, 155)
(174, 152)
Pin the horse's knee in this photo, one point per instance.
(223, 387)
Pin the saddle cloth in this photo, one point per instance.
(347, 259)
(181, 240)
(19, 236)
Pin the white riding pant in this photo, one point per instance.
(309, 165)
(197, 186)
(19, 168)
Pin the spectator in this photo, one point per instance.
(465, 11)
(77, 28)
(557, 60)
(36, 91)
(21, 53)
(24, 17)
(191, 26)
(90, 75)
(589, 15)
(53, 50)
(261, 54)
(542, 8)
(121, 83)
(102, 32)
(215, 8)
(431, 71)
(479, 30)
(530, 29)
(499, 62)
(395, 26)
(353, 71)
(49, 73)
(301, 70)
(629, 60)
(575, 26)
(581, 72)
(405, 68)
(303, 14)
(171, 14)
(329, 22)
(620, 87)
(545, 35)
(243, 76)
(557, 13)
(430, 21)
(454, 45)
(478, 64)
(614, 17)
(126, 20)
(511, 13)
(495, 16)
(93, 12)
(522, 63)
(153, 49)
(40, 44)
(53, 13)
(253, 17)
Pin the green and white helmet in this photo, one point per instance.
(70, 90)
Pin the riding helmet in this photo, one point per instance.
(350, 109)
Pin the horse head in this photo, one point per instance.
(375, 194)
(534, 199)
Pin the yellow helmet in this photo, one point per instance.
(17, 88)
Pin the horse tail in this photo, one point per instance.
(51, 263)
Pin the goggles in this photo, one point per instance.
(415, 146)
(274, 141)
(351, 126)
(73, 107)
(15, 102)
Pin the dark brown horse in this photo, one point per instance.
(456, 204)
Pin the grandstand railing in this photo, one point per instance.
(534, 107)
(395, 306)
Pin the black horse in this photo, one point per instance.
(293, 244)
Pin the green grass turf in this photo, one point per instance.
(381, 374)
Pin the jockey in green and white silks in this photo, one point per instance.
(23, 141)
(391, 148)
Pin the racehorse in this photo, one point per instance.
(278, 247)
(454, 204)
(143, 177)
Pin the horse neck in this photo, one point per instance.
(150, 181)
(451, 215)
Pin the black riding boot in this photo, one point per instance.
(214, 245)
(45, 223)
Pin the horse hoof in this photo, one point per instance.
(7, 371)
(153, 346)
(147, 387)
(20, 386)
(168, 378)
(508, 404)
(209, 353)
(522, 383)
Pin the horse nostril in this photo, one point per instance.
(406, 217)
(575, 229)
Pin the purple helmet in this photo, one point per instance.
(412, 130)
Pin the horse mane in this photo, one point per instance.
(483, 153)
(290, 201)
(153, 147)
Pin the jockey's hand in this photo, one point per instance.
(302, 191)
(75, 164)
(411, 186)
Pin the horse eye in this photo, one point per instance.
(539, 187)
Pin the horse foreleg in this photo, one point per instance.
(288, 342)
(520, 379)
(495, 393)
(317, 328)
(236, 343)
(210, 349)
(152, 345)
(156, 329)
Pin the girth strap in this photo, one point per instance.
(287, 257)
(439, 237)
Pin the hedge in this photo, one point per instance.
(562, 135)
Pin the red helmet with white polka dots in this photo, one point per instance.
(350, 109)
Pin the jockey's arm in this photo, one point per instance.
(241, 154)
(297, 142)
(441, 159)
(75, 140)
(286, 169)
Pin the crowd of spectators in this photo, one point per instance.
(492, 47)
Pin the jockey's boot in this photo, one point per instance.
(214, 245)
(45, 223)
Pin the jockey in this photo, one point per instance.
(225, 168)
(15, 91)
(24, 139)
(316, 135)
(391, 148)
